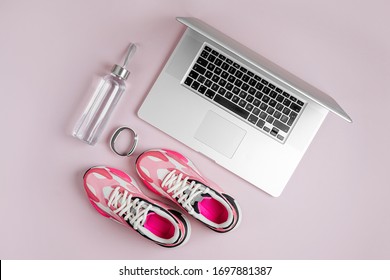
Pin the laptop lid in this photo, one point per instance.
(289, 80)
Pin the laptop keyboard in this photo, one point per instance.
(243, 92)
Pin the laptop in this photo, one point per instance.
(241, 110)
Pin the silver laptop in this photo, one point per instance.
(241, 110)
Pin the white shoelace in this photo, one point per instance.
(182, 190)
(132, 210)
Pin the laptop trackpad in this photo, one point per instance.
(220, 134)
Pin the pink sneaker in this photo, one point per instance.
(175, 177)
(115, 195)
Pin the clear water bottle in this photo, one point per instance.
(98, 111)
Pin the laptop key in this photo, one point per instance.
(245, 78)
(279, 107)
(281, 126)
(239, 74)
(266, 90)
(274, 131)
(295, 107)
(228, 95)
(236, 90)
(242, 103)
(193, 74)
(201, 79)
(256, 102)
(293, 116)
(245, 87)
(277, 114)
(195, 85)
(260, 123)
(231, 106)
(253, 119)
(188, 81)
(252, 91)
(211, 58)
(224, 75)
(265, 99)
(215, 87)
(217, 70)
(279, 98)
(270, 119)
(284, 118)
(259, 86)
(249, 107)
(202, 61)
(202, 89)
(242, 94)
(263, 115)
(272, 103)
(222, 82)
(199, 69)
(238, 83)
(232, 70)
(249, 98)
(204, 54)
(208, 83)
(286, 111)
(252, 82)
(259, 94)
(225, 66)
(263, 106)
(256, 111)
(209, 93)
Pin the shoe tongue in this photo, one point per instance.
(197, 199)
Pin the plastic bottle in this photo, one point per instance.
(98, 111)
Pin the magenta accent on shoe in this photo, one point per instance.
(142, 174)
(177, 156)
(120, 174)
(150, 187)
(99, 210)
(159, 155)
(159, 226)
(102, 172)
(213, 210)
(91, 195)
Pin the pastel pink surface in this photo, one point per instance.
(51, 53)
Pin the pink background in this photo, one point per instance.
(336, 205)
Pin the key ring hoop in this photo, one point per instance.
(115, 136)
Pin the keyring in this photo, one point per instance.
(115, 136)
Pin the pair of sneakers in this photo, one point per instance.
(116, 195)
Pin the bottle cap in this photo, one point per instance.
(120, 71)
